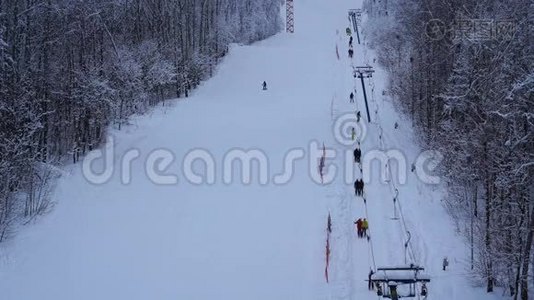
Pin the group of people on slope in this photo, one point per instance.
(358, 187)
(361, 227)
(351, 51)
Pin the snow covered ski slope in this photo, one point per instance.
(135, 237)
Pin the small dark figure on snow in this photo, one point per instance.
(264, 86)
(360, 187)
(413, 168)
(357, 155)
(351, 97)
(358, 116)
(351, 53)
(350, 41)
(445, 263)
(396, 125)
(371, 286)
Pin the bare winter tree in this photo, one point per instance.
(71, 68)
(470, 95)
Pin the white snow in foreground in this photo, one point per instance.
(243, 241)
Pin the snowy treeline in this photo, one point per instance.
(463, 72)
(70, 68)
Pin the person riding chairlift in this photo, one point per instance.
(424, 290)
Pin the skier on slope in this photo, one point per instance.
(264, 86)
(350, 41)
(359, 227)
(357, 187)
(353, 133)
(351, 97)
(365, 226)
(357, 155)
(351, 53)
(358, 116)
(445, 263)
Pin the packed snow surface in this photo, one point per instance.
(257, 240)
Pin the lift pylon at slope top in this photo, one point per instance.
(355, 16)
(400, 281)
(290, 16)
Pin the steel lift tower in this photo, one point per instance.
(364, 72)
(290, 17)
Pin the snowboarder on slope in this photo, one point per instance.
(264, 86)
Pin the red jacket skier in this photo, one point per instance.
(359, 227)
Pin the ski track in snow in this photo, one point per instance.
(237, 241)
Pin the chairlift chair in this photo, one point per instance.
(400, 282)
